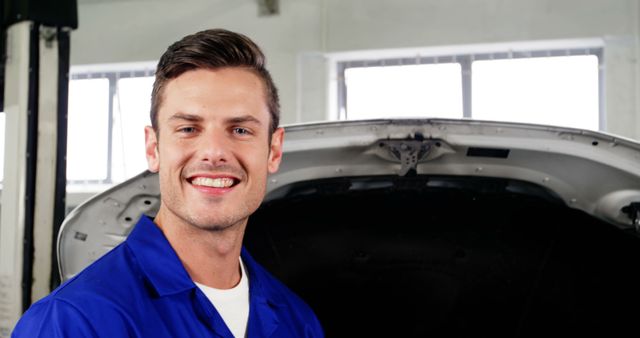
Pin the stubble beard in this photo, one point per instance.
(209, 222)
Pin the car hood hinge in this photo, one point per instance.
(407, 152)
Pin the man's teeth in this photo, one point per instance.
(222, 182)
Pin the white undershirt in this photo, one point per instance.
(232, 304)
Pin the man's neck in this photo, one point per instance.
(210, 257)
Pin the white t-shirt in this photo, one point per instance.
(232, 304)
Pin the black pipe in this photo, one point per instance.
(59, 211)
(31, 164)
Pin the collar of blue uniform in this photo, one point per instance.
(165, 271)
(157, 259)
(166, 274)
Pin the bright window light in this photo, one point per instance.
(87, 137)
(130, 116)
(432, 90)
(559, 91)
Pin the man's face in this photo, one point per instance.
(212, 150)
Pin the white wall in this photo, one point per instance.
(295, 41)
(125, 31)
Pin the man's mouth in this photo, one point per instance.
(217, 182)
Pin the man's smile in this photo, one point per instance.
(213, 184)
(218, 182)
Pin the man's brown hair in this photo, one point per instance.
(213, 49)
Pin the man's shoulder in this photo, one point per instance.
(112, 281)
(113, 273)
(100, 293)
(53, 317)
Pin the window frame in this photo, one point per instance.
(466, 59)
(112, 73)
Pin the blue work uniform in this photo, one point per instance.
(141, 289)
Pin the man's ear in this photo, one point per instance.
(275, 150)
(151, 149)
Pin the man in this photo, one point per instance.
(214, 139)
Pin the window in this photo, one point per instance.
(404, 91)
(559, 90)
(131, 115)
(108, 111)
(88, 130)
(554, 87)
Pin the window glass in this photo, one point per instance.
(431, 90)
(88, 125)
(545, 90)
(130, 116)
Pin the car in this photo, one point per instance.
(432, 227)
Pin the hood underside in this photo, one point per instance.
(447, 256)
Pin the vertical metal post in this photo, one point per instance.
(31, 158)
(45, 175)
(64, 37)
(602, 103)
(12, 218)
(467, 96)
(342, 92)
(113, 83)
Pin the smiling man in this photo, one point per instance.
(214, 139)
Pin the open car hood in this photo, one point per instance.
(412, 164)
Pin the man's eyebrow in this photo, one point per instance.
(244, 118)
(186, 117)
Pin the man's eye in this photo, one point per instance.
(187, 130)
(241, 131)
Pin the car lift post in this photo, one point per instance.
(33, 191)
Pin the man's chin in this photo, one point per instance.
(216, 225)
(214, 228)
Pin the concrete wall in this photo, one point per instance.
(296, 41)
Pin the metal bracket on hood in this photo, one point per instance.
(633, 211)
(408, 152)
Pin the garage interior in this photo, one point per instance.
(479, 259)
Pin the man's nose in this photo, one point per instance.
(215, 147)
